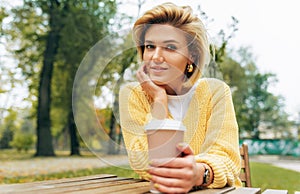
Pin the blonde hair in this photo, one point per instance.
(180, 17)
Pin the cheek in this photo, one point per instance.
(146, 56)
(180, 65)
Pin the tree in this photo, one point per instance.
(44, 138)
(59, 33)
(26, 40)
(256, 107)
(218, 53)
(84, 24)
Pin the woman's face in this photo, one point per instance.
(166, 55)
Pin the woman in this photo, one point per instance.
(172, 44)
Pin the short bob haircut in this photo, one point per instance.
(180, 17)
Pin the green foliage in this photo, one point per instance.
(80, 25)
(22, 141)
(5, 138)
(3, 14)
(83, 24)
(257, 109)
(26, 41)
(8, 126)
(13, 154)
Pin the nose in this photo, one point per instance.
(158, 55)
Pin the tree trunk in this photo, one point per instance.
(44, 145)
(112, 135)
(74, 144)
(44, 137)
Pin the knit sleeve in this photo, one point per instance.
(134, 113)
(220, 149)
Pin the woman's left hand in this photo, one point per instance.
(177, 175)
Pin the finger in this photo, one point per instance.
(167, 172)
(166, 181)
(141, 76)
(145, 68)
(167, 189)
(185, 149)
(179, 162)
(162, 162)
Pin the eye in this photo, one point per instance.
(149, 46)
(171, 47)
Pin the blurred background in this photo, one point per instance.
(43, 43)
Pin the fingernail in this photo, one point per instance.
(149, 176)
(150, 163)
(181, 144)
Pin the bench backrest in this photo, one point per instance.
(245, 167)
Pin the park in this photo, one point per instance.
(62, 64)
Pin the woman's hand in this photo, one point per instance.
(157, 93)
(153, 90)
(177, 175)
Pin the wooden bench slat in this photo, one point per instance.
(243, 165)
(242, 176)
(246, 190)
(275, 191)
(51, 183)
(86, 186)
(214, 191)
(124, 188)
(104, 184)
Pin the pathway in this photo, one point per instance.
(283, 162)
(37, 166)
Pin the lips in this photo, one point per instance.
(158, 68)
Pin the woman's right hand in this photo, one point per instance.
(157, 93)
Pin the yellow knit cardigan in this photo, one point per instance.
(212, 130)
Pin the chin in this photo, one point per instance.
(159, 82)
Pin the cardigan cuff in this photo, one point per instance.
(219, 173)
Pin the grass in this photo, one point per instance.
(10, 154)
(264, 176)
(122, 171)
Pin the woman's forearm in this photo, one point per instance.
(160, 107)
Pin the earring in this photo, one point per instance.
(189, 68)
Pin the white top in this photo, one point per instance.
(178, 105)
(166, 124)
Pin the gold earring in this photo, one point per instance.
(190, 68)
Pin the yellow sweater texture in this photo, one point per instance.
(212, 130)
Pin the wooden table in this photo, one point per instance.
(103, 183)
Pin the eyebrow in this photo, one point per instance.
(166, 41)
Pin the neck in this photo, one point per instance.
(176, 90)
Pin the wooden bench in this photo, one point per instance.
(245, 166)
(274, 191)
(103, 183)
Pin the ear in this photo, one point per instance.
(191, 59)
(192, 56)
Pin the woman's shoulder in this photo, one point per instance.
(212, 88)
(131, 87)
(211, 84)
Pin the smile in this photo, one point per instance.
(158, 68)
